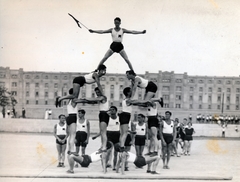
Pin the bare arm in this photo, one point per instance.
(134, 86)
(87, 100)
(88, 131)
(96, 77)
(174, 133)
(133, 31)
(142, 103)
(100, 31)
(146, 131)
(95, 100)
(55, 132)
(97, 135)
(161, 134)
(67, 134)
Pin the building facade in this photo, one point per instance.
(182, 94)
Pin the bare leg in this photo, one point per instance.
(189, 147)
(104, 162)
(106, 56)
(137, 148)
(72, 135)
(115, 160)
(83, 150)
(169, 149)
(125, 57)
(155, 164)
(164, 152)
(63, 152)
(185, 147)
(149, 95)
(76, 90)
(154, 138)
(123, 134)
(141, 150)
(59, 154)
(103, 131)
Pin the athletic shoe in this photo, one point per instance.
(154, 172)
(59, 165)
(56, 101)
(149, 153)
(108, 166)
(161, 102)
(148, 171)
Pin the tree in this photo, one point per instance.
(6, 97)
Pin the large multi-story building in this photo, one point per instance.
(183, 94)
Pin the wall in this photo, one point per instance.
(46, 126)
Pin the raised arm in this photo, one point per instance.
(100, 31)
(133, 31)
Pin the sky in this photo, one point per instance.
(199, 37)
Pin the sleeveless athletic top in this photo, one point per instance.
(168, 128)
(104, 106)
(152, 111)
(141, 130)
(113, 124)
(89, 78)
(61, 130)
(117, 36)
(125, 107)
(82, 126)
(71, 109)
(131, 157)
(143, 83)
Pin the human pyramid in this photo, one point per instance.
(113, 127)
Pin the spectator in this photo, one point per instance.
(223, 130)
(203, 118)
(8, 113)
(46, 114)
(236, 119)
(23, 113)
(189, 131)
(3, 112)
(50, 114)
(190, 117)
(207, 119)
(14, 112)
(210, 118)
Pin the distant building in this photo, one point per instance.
(183, 94)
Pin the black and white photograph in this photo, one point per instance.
(103, 90)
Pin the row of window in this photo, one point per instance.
(201, 81)
(64, 77)
(191, 89)
(200, 98)
(166, 105)
(165, 88)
